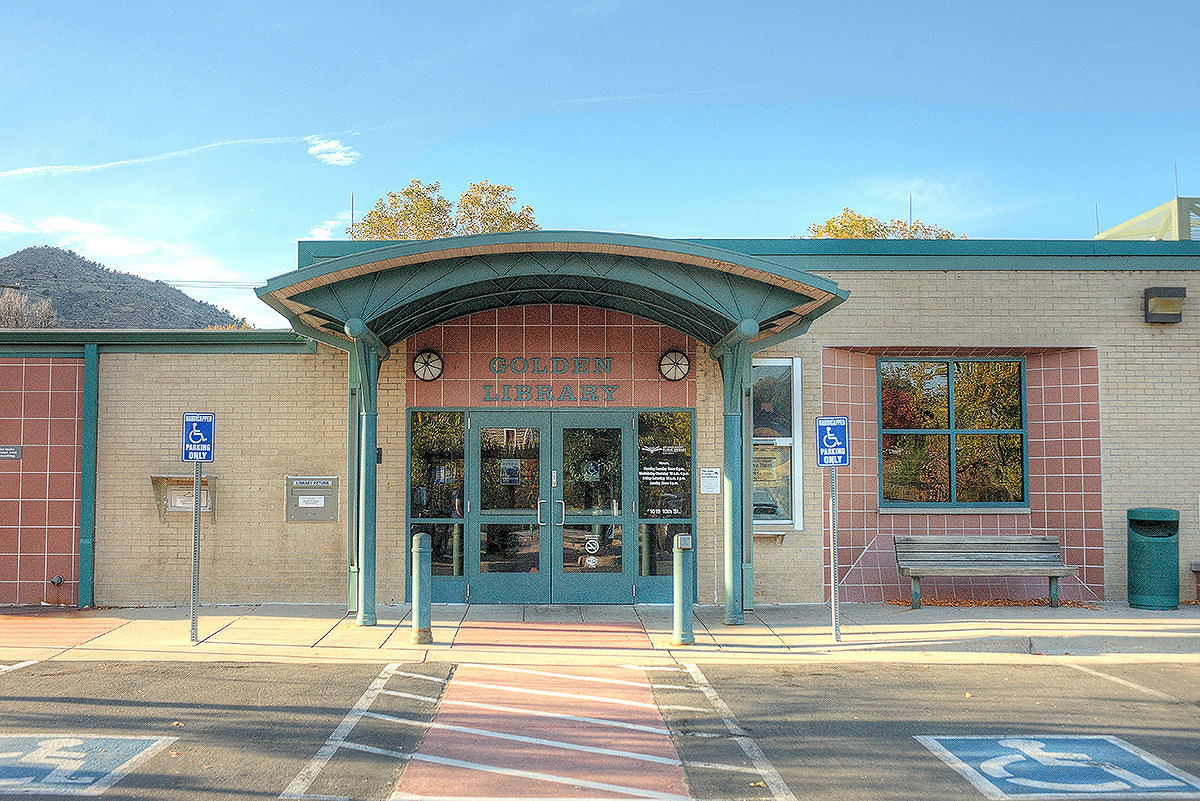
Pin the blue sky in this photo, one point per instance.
(199, 142)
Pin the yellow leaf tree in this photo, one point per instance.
(852, 225)
(420, 211)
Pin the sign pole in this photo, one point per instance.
(833, 552)
(197, 446)
(195, 551)
(833, 451)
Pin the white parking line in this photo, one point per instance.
(1125, 683)
(308, 775)
(775, 783)
(18, 666)
(620, 724)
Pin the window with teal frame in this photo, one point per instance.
(952, 432)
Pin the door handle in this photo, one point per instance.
(540, 502)
(562, 520)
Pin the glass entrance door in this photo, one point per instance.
(594, 531)
(508, 507)
(550, 513)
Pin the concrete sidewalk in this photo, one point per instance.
(530, 634)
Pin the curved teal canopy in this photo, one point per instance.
(401, 288)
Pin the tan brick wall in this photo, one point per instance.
(277, 415)
(1149, 387)
(391, 553)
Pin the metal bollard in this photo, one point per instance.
(422, 585)
(681, 555)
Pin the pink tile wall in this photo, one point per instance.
(634, 345)
(1063, 415)
(41, 404)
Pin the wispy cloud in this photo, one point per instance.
(954, 201)
(70, 169)
(329, 151)
(332, 151)
(324, 230)
(150, 258)
(11, 225)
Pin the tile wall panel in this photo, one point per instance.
(41, 406)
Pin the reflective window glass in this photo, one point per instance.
(505, 548)
(772, 394)
(447, 540)
(987, 395)
(771, 494)
(916, 467)
(914, 394)
(665, 464)
(591, 470)
(509, 465)
(436, 464)
(655, 547)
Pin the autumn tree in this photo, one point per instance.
(420, 211)
(852, 225)
(17, 311)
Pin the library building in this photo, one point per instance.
(551, 410)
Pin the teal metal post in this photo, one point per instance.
(352, 484)
(87, 478)
(733, 353)
(422, 586)
(366, 516)
(681, 555)
(370, 352)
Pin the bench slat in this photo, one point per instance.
(980, 570)
(950, 555)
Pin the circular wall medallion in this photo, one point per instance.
(674, 365)
(428, 365)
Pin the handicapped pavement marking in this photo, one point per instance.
(1061, 766)
(70, 764)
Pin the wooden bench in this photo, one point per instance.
(937, 555)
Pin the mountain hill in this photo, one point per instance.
(89, 295)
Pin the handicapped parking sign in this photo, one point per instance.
(833, 441)
(1042, 766)
(198, 433)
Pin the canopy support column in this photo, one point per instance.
(369, 353)
(733, 353)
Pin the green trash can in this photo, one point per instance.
(1152, 560)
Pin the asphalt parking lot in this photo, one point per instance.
(825, 731)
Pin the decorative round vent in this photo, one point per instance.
(674, 365)
(428, 365)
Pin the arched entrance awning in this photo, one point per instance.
(365, 297)
(400, 288)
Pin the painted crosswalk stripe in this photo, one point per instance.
(517, 773)
(521, 738)
(18, 666)
(571, 676)
(557, 694)
(620, 724)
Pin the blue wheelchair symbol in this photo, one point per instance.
(1056, 766)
